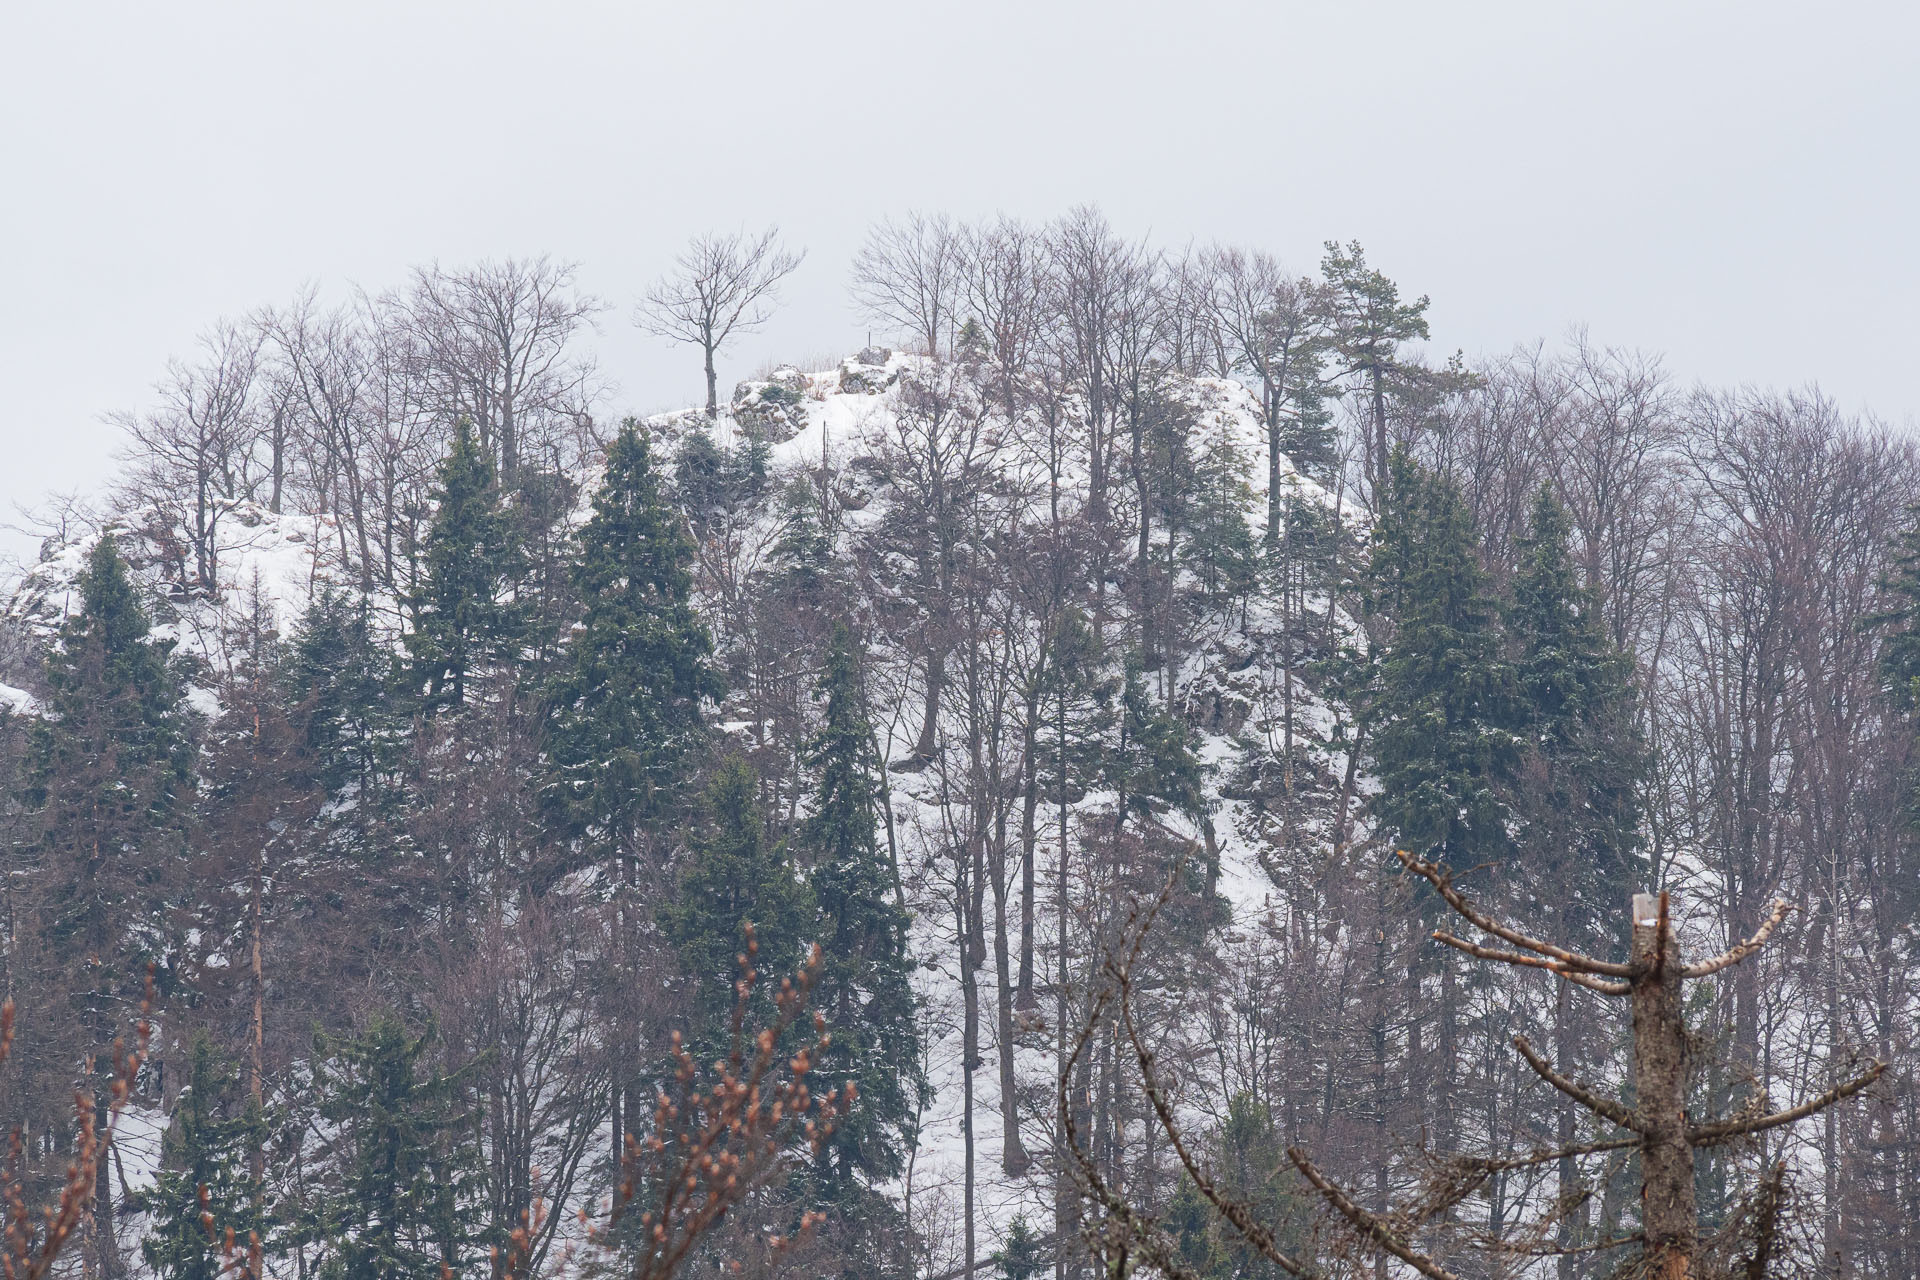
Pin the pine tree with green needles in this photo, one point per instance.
(463, 612)
(1442, 703)
(864, 990)
(1153, 767)
(735, 877)
(400, 1178)
(1367, 323)
(336, 677)
(1021, 1257)
(107, 775)
(203, 1189)
(629, 705)
(1582, 757)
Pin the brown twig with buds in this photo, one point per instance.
(31, 1241)
(724, 1131)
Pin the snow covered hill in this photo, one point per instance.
(837, 427)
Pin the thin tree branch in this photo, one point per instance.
(1604, 986)
(1606, 1109)
(1365, 1223)
(1440, 880)
(1236, 1213)
(1126, 1230)
(1734, 955)
(1484, 1165)
(1712, 1135)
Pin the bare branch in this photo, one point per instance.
(1604, 986)
(1484, 1165)
(1126, 1230)
(1440, 880)
(1367, 1224)
(1236, 1213)
(1712, 1135)
(1733, 956)
(1606, 1109)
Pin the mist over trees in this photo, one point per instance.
(431, 738)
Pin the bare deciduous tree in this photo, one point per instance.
(722, 284)
(497, 339)
(910, 274)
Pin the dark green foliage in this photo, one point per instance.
(1078, 697)
(1221, 548)
(203, 1171)
(1249, 1165)
(335, 674)
(628, 707)
(1582, 758)
(1021, 1257)
(106, 772)
(708, 479)
(1367, 317)
(735, 878)
(464, 614)
(803, 556)
(1442, 709)
(1153, 766)
(864, 989)
(398, 1198)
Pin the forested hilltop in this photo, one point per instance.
(454, 771)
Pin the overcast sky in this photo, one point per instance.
(1731, 184)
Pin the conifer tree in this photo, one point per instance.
(864, 990)
(1442, 703)
(735, 877)
(1582, 755)
(628, 707)
(1021, 1257)
(203, 1175)
(1368, 322)
(335, 674)
(399, 1193)
(107, 774)
(463, 613)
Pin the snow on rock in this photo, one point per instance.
(18, 701)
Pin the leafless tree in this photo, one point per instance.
(910, 275)
(195, 456)
(1269, 325)
(723, 284)
(497, 342)
(1657, 1126)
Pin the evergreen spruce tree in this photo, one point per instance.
(401, 1181)
(1153, 767)
(107, 772)
(628, 706)
(203, 1188)
(336, 684)
(1581, 762)
(864, 991)
(735, 877)
(463, 613)
(1442, 706)
(1021, 1257)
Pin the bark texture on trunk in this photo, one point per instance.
(1660, 1086)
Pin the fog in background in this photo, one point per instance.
(1731, 184)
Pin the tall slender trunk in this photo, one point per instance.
(969, 1056)
(1660, 1086)
(1024, 997)
(256, 1042)
(1013, 1153)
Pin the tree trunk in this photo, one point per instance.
(1660, 1085)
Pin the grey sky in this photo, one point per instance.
(1731, 184)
